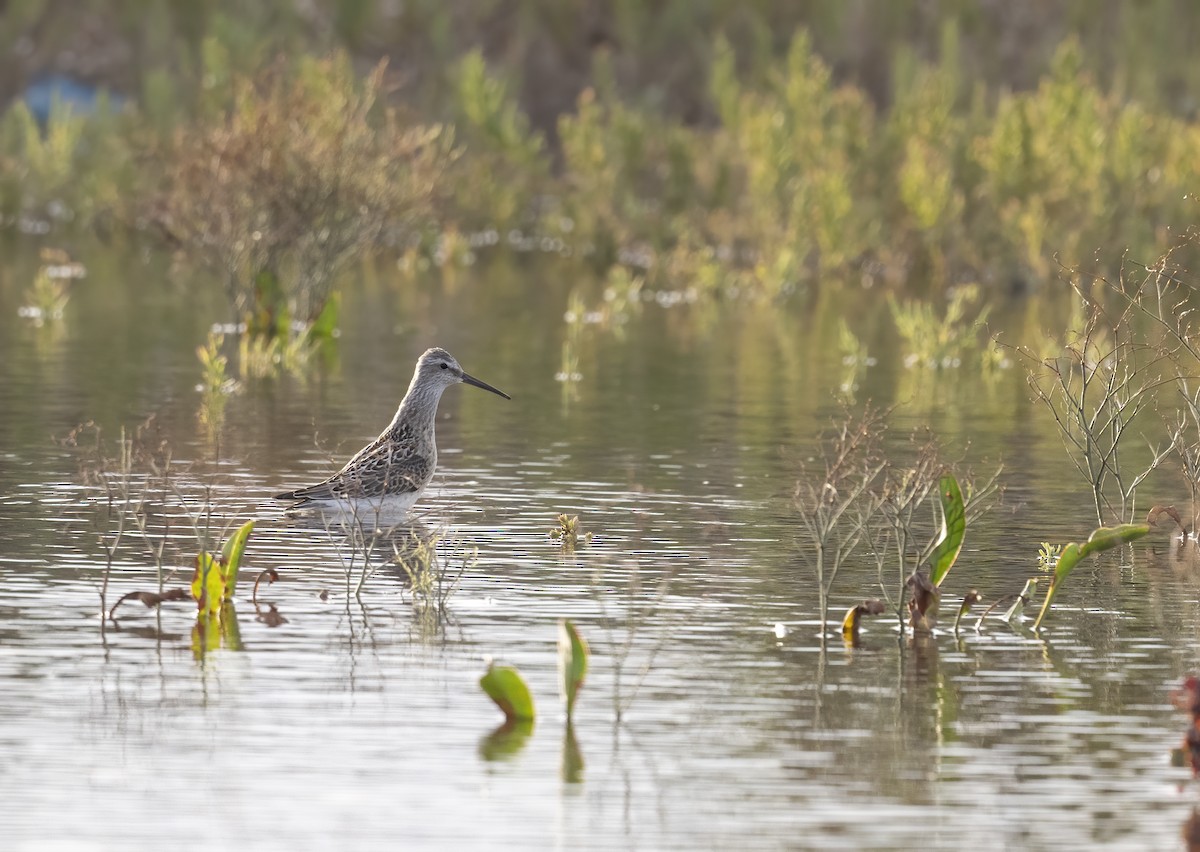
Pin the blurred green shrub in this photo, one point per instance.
(746, 165)
(69, 170)
(302, 173)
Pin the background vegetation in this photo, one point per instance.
(737, 148)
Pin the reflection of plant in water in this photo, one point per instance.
(568, 368)
(215, 384)
(263, 358)
(632, 611)
(620, 301)
(46, 299)
(855, 359)
(431, 562)
(432, 578)
(360, 545)
(568, 373)
(939, 342)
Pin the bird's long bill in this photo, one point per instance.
(471, 380)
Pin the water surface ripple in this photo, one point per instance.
(354, 722)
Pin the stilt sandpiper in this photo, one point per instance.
(389, 474)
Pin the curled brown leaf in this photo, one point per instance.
(922, 605)
(271, 575)
(1157, 511)
(151, 599)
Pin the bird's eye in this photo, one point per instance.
(444, 365)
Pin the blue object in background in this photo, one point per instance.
(82, 98)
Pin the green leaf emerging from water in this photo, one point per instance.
(231, 555)
(507, 688)
(208, 584)
(572, 662)
(1103, 538)
(969, 600)
(954, 529)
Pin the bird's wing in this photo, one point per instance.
(382, 468)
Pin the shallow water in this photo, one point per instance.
(357, 723)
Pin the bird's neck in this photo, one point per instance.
(418, 409)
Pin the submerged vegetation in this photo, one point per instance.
(866, 500)
(860, 498)
(569, 532)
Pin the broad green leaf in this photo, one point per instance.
(954, 529)
(208, 585)
(504, 685)
(231, 555)
(1106, 538)
(1071, 556)
(1103, 538)
(572, 662)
